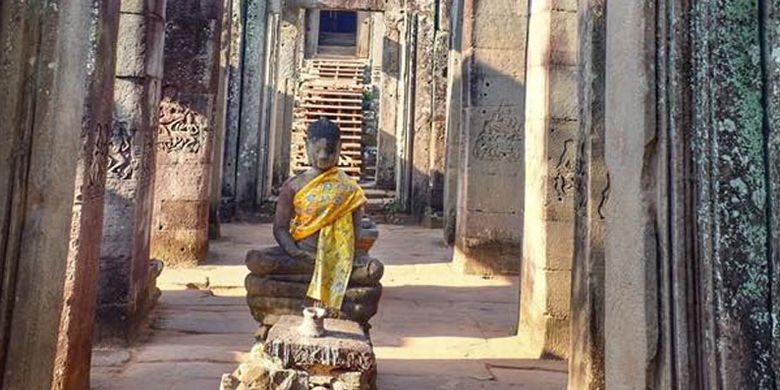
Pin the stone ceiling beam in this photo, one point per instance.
(342, 5)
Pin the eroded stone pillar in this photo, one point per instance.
(551, 142)
(312, 32)
(57, 62)
(422, 125)
(390, 89)
(586, 353)
(233, 112)
(363, 38)
(453, 121)
(288, 60)
(490, 194)
(126, 292)
(185, 144)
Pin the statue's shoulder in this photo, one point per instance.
(298, 181)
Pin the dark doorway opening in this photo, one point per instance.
(338, 28)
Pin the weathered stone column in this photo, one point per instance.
(771, 44)
(550, 156)
(390, 91)
(422, 125)
(691, 151)
(232, 115)
(453, 124)
(312, 32)
(186, 135)
(249, 169)
(125, 291)
(586, 353)
(285, 87)
(363, 36)
(57, 62)
(219, 119)
(490, 201)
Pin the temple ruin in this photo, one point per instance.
(577, 194)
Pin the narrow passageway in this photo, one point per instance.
(436, 329)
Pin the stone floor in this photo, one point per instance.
(436, 329)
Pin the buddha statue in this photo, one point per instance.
(323, 240)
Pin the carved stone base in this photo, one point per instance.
(343, 358)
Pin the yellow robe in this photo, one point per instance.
(325, 205)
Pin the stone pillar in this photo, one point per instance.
(125, 293)
(771, 37)
(363, 36)
(586, 352)
(490, 200)
(186, 134)
(285, 86)
(57, 62)
(219, 119)
(234, 87)
(691, 150)
(390, 97)
(422, 125)
(453, 121)
(312, 32)
(550, 155)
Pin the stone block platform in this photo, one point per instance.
(342, 359)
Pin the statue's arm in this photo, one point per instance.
(284, 215)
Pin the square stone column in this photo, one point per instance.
(390, 96)
(57, 62)
(125, 293)
(551, 145)
(186, 132)
(490, 194)
(453, 120)
(586, 353)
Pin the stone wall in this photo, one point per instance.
(490, 200)
(551, 140)
(186, 132)
(57, 62)
(124, 290)
(691, 233)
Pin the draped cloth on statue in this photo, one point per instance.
(325, 205)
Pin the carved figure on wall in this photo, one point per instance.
(181, 129)
(120, 159)
(563, 179)
(501, 138)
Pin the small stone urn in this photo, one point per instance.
(313, 324)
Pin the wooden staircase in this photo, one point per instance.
(333, 89)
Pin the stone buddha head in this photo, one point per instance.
(323, 144)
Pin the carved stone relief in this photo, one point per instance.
(501, 138)
(120, 152)
(181, 129)
(563, 181)
(96, 174)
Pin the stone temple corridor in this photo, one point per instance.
(465, 194)
(436, 329)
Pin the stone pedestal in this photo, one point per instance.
(57, 66)
(551, 146)
(490, 194)
(343, 358)
(186, 134)
(124, 293)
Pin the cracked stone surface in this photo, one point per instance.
(436, 329)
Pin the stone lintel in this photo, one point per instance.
(345, 5)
